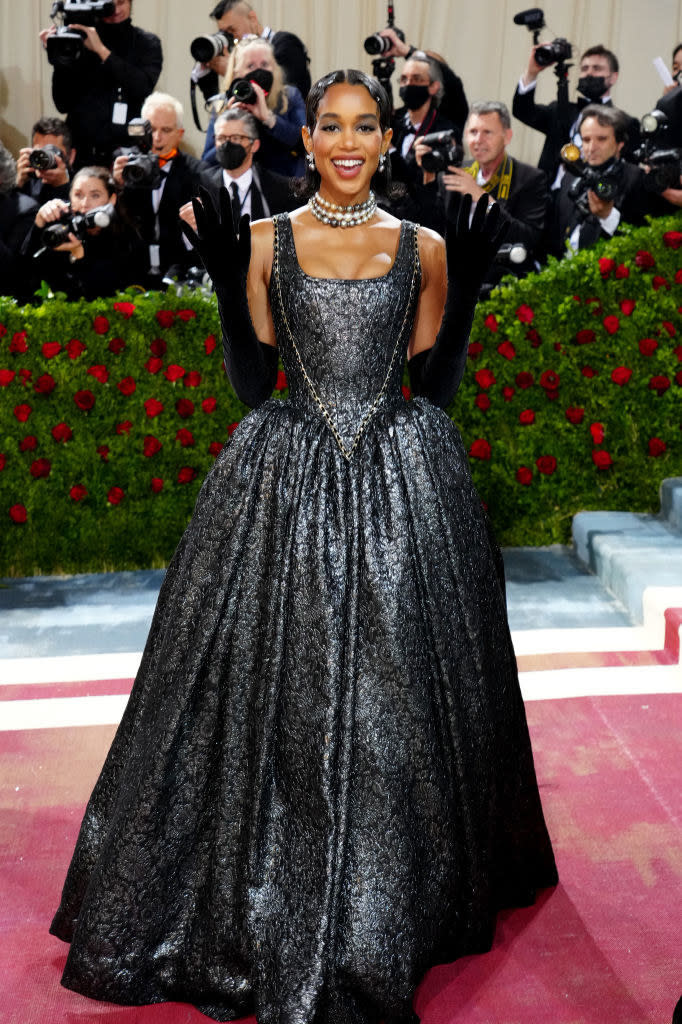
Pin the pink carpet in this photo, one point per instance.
(604, 948)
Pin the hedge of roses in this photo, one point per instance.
(112, 412)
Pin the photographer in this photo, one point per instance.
(453, 105)
(599, 71)
(96, 261)
(50, 136)
(152, 201)
(519, 189)
(421, 89)
(610, 190)
(107, 85)
(237, 18)
(16, 218)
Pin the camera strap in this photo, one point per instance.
(500, 180)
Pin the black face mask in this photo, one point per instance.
(231, 155)
(261, 77)
(592, 87)
(414, 96)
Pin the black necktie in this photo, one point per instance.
(236, 205)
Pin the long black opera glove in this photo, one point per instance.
(251, 364)
(435, 373)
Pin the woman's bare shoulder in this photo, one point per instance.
(431, 252)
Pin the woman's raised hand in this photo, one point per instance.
(224, 252)
(472, 241)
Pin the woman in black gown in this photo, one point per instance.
(322, 784)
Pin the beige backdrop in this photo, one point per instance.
(478, 39)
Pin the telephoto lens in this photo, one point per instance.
(376, 43)
(242, 90)
(205, 48)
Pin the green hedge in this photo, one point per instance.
(113, 411)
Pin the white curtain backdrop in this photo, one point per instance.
(479, 40)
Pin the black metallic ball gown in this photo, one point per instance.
(323, 783)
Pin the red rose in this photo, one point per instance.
(231, 429)
(611, 324)
(281, 384)
(186, 474)
(3, 330)
(508, 393)
(491, 322)
(115, 496)
(678, 352)
(193, 379)
(575, 414)
(185, 437)
(660, 383)
(597, 432)
(158, 347)
(116, 345)
(154, 364)
(17, 513)
(124, 428)
(678, 380)
(660, 282)
(99, 372)
(25, 376)
(209, 404)
(673, 239)
(525, 314)
(482, 401)
(484, 378)
(100, 325)
(156, 484)
(215, 448)
(546, 464)
(678, 278)
(526, 416)
(656, 445)
(184, 408)
(506, 350)
(40, 468)
(103, 452)
(524, 380)
(22, 412)
(209, 344)
(127, 386)
(18, 343)
(45, 384)
(407, 394)
(78, 492)
(75, 348)
(62, 432)
(153, 407)
(668, 328)
(480, 449)
(6, 377)
(587, 371)
(601, 458)
(150, 446)
(627, 306)
(3, 460)
(186, 314)
(51, 348)
(606, 266)
(648, 346)
(585, 337)
(475, 349)
(549, 380)
(174, 372)
(621, 375)
(558, 347)
(165, 317)
(85, 400)
(622, 271)
(644, 260)
(28, 443)
(524, 475)
(126, 309)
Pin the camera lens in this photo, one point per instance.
(42, 160)
(544, 55)
(243, 91)
(205, 48)
(377, 43)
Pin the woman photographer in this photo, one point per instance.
(95, 261)
(278, 108)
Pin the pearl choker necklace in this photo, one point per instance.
(342, 216)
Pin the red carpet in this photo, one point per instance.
(604, 948)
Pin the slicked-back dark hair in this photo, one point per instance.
(607, 117)
(53, 126)
(601, 51)
(381, 181)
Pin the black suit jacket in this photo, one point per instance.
(18, 276)
(270, 193)
(405, 168)
(548, 119)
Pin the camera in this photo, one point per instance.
(46, 158)
(242, 89)
(377, 44)
(605, 181)
(205, 48)
(446, 151)
(180, 278)
(142, 169)
(76, 223)
(556, 52)
(663, 164)
(65, 48)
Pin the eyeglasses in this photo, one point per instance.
(241, 140)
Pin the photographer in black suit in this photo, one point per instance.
(421, 90)
(54, 182)
(16, 220)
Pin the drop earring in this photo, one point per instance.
(382, 163)
(310, 160)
